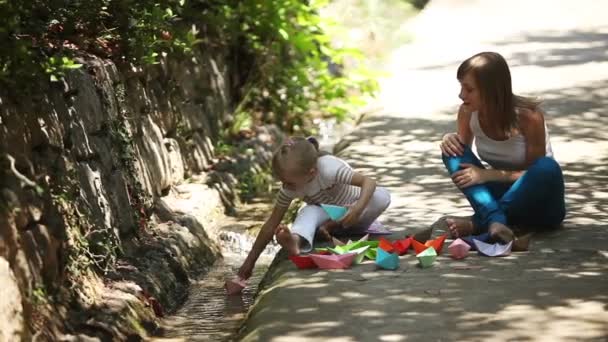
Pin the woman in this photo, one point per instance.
(524, 186)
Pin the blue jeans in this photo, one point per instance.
(535, 200)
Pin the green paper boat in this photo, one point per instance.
(427, 257)
(335, 212)
(371, 253)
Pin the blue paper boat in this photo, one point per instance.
(335, 212)
(386, 260)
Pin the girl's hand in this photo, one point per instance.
(451, 145)
(351, 217)
(468, 176)
(246, 270)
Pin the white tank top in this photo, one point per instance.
(507, 154)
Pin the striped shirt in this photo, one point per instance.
(331, 185)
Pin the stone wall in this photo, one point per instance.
(84, 167)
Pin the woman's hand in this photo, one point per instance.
(451, 145)
(469, 175)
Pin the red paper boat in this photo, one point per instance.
(235, 286)
(386, 245)
(333, 261)
(401, 246)
(302, 261)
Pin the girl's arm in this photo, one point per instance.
(532, 126)
(263, 238)
(368, 186)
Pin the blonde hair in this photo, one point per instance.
(493, 78)
(301, 153)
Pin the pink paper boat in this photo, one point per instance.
(493, 250)
(459, 249)
(333, 261)
(235, 285)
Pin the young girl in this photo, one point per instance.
(524, 186)
(317, 179)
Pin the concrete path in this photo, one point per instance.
(558, 290)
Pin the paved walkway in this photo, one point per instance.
(558, 290)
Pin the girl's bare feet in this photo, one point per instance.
(460, 226)
(291, 242)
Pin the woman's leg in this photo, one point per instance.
(480, 196)
(536, 199)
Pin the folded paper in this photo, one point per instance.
(401, 246)
(385, 245)
(333, 261)
(386, 260)
(493, 250)
(459, 249)
(302, 261)
(427, 257)
(335, 212)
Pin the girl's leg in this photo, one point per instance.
(380, 200)
(309, 218)
(537, 198)
(480, 196)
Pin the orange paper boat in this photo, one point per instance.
(385, 245)
(333, 261)
(437, 243)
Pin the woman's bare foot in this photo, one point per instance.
(460, 226)
(291, 242)
(521, 243)
(500, 232)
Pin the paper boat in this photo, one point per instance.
(376, 228)
(303, 261)
(335, 212)
(493, 250)
(437, 243)
(485, 237)
(337, 242)
(333, 261)
(235, 285)
(401, 246)
(459, 249)
(385, 245)
(386, 260)
(360, 254)
(418, 246)
(427, 257)
(371, 253)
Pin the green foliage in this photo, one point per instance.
(287, 67)
(254, 182)
(290, 68)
